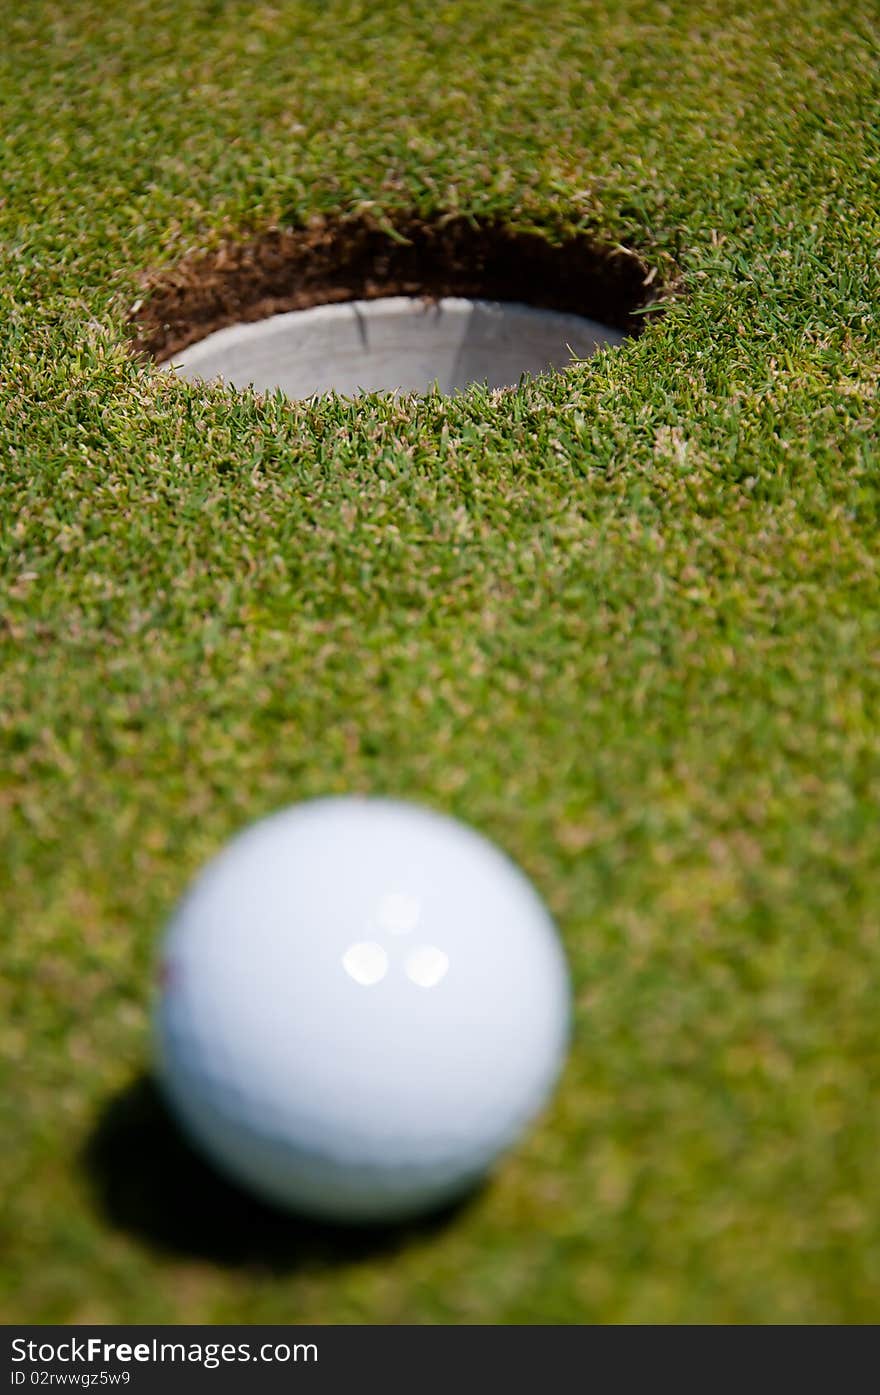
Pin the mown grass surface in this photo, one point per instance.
(625, 620)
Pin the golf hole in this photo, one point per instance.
(351, 307)
(399, 344)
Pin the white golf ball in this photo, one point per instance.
(363, 1004)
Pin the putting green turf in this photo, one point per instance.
(625, 620)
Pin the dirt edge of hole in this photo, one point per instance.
(356, 258)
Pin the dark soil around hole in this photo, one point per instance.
(354, 259)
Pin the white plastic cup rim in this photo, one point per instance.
(398, 344)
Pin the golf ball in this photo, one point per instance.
(363, 1004)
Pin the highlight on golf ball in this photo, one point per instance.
(363, 1004)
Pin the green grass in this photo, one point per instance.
(625, 620)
